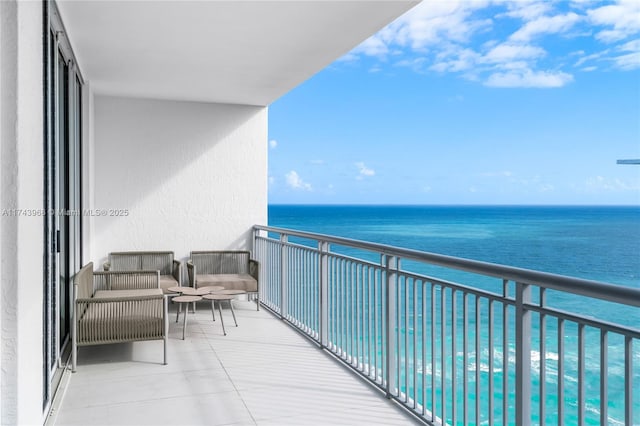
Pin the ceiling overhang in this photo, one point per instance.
(240, 52)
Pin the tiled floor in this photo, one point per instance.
(261, 373)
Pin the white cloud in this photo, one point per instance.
(625, 57)
(629, 61)
(486, 40)
(632, 46)
(427, 24)
(349, 57)
(508, 52)
(364, 170)
(431, 23)
(272, 180)
(415, 64)
(624, 17)
(461, 60)
(603, 184)
(527, 11)
(373, 46)
(528, 78)
(295, 181)
(273, 143)
(593, 56)
(545, 25)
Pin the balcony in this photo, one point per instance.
(262, 372)
(452, 341)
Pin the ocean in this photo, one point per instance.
(599, 243)
(596, 243)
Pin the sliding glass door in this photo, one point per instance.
(63, 204)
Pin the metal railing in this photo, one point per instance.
(456, 351)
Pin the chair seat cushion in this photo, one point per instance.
(229, 281)
(167, 281)
(121, 318)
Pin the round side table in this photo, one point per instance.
(211, 288)
(220, 298)
(181, 300)
(185, 291)
(231, 292)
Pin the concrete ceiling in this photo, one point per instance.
(241, 52)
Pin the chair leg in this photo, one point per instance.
(165, 348)
(74, 357)
(213, 310)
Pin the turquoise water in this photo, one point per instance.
(596, 243)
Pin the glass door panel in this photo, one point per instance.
(62, 199)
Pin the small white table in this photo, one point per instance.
(220, 298)
(181, 300)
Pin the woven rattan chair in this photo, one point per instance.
(231, 269)
(117, 307)
(163, 261)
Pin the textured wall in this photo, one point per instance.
(21, 236)
(87, 168)
(189, 175)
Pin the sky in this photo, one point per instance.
(470, 102)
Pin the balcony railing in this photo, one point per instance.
(457, 341)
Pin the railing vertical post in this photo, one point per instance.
(254, 234)
(390, 265)
(323, 248)
(254, 254)
(284, 261)
(523, 354)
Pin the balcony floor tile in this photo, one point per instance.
(262, 373)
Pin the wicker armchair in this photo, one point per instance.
(163, 261)
(116, 307)
(234, 270)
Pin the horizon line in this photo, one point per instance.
(447, 205)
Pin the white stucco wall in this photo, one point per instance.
(191, 176)
(87, 168)
(21, 187)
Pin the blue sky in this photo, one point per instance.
(470, 102)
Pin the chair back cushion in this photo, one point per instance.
(221, 262)
(142, 261)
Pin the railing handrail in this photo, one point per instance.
(596, 289)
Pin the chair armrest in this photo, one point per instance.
(191, 273)
(106, 266)
(254, 269)
(176, 271)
